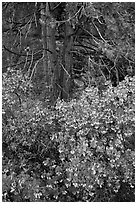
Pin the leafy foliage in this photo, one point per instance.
(97, 138)
(82, 150)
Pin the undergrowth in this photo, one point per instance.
(82, 150)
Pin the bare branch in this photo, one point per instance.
(34, 68)
(30, 63)
(64, 21)
(26, 60)
(65, 70)
(25, 55)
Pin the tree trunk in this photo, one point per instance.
(49, 51)
(66, 66)
(44, 40)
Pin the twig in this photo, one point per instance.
(35, 19)
(30, 63)
(65, 70)
(64, 21)
(34, 68)
(56, 6)
(100, 33)
(25, 55)
(29, 22)
(26, 61)
(61, 88)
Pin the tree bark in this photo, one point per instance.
(49, 51)
(66, 66)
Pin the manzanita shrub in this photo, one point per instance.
(82, 150)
